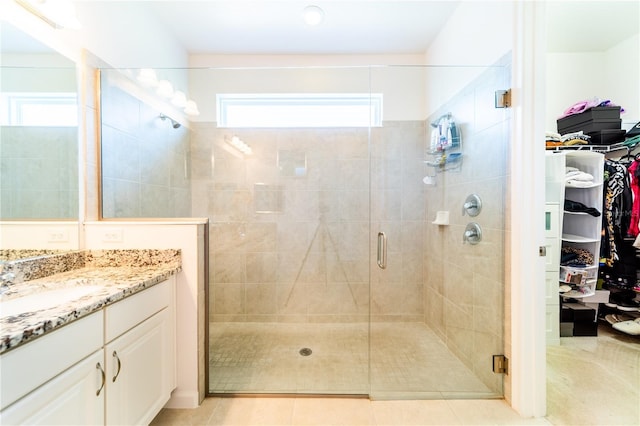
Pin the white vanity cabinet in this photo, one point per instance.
(56, 379)
(139, 356)
(75, 397)
(113, 367)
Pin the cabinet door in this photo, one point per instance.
(75, 397)
(138, 372)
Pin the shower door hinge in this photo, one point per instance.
(503, 98)
(500, 364)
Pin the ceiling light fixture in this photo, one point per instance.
(313, 15)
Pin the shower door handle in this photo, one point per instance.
(382, 250)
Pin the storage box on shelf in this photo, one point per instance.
(577, 319)
(602, 124)
(607, 137)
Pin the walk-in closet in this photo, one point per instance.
(592, 105)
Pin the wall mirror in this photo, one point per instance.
(38, 133)
(145, 150)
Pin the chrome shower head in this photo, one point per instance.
(174, 123)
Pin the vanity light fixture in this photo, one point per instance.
(165, 89)
(191, 108)
(147, 77)
(313, 15)
(238, 144)
(57, 13)
(179, 99)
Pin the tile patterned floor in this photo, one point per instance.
(407, 359)
(590, 381)
(343, 411)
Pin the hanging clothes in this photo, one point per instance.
(617, 201)
(617, 254)
(634, 177)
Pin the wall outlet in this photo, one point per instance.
(113, 235)
(58, 235)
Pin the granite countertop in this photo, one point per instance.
(109, 275)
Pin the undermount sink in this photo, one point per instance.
(45, 299)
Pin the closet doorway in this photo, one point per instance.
(614, 63)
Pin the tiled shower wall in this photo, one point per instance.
(465, 284)
(290, 223)
(38, 172)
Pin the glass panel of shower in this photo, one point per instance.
(437, 300)
(289, 232)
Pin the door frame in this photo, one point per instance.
(526, 348)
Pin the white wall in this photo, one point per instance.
(42, 235)
(477, 35)
(403, 97)
(613, 74)
(120, 34)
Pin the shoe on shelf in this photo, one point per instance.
(631, 327)
(616, 318)
(628, 305)
(610, 318)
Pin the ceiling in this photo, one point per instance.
(354, 27)
(277, 27)
(370, 26)
(590, 26)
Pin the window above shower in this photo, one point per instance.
(299, 110)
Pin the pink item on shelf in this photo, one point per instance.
(582, 106)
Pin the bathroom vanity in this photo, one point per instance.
(101, 352)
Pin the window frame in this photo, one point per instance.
(227, 102)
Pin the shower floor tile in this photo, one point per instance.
(407, 360)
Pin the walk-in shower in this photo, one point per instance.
(298, 303)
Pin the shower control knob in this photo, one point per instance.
(472, 234)
(472, 205)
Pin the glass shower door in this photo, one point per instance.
(289, 252)
(437, 302)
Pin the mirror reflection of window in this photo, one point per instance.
(39, 116)
(38, 109)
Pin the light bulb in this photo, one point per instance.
(179, 99)
(165, 89)
(313, 15)
(147, 77)
(191, 108)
